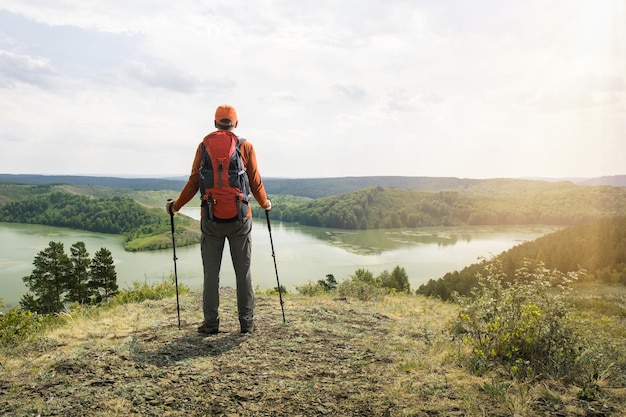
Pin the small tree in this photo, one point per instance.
(49, 280)
(103, 281)
(79, 290)
(363, 275)
(330, 283)
(397, 280)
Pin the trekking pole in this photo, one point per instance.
(175, 272)
(280, 296)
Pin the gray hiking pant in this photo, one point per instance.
(212, 247)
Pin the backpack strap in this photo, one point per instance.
(241, 168)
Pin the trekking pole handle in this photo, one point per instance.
(172, 226)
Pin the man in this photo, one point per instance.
(215, 229)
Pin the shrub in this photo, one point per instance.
(359, 289)
(274, 291)
(143, 291)
(525, 326)
(323, 285)
(17, 326)
(363, 286)
(310, 289)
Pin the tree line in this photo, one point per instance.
(598, 248)
(58, 279)
(117, 215)
(378, 207)
(144, 228)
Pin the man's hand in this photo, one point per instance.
(169, 207)
(269, 205)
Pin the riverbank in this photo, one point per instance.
(334, 356)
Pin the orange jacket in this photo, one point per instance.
(249, 162)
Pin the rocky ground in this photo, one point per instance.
(333, 357)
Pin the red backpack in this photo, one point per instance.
(224, 185)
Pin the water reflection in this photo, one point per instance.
(376, 242)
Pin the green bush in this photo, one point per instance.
(17, 326)
(361, 286)
(143, 291)
(274, 291)
(322, 286)
(310, 289)
(526, 326)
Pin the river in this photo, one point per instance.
(303, 254)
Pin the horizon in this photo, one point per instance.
(183, 177)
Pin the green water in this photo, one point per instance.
(303, 253)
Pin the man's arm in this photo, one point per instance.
(254, 176)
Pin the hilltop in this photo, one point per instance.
(334, 356)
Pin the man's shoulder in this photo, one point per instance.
(245, 143)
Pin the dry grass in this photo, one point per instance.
(334, 357)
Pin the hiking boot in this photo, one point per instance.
(248, 329)
(207, 329)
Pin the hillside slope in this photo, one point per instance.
(334, 357)
(598, 248)
(495, 202)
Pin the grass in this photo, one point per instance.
(392, 356)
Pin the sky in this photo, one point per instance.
(325, 88)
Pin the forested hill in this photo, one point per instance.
(145, 228)
(492, 204)
(598, 248)
(113, 182)
(447, 201)
(324, 187)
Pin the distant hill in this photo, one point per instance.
(115, 182)
(615, 181)
(325, 187)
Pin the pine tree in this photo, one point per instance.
(400, 279)
(79, 290)
(49, 280)
(397, 279)
(103, 276)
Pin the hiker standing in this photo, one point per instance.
(225, 172)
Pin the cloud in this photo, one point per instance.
(34, 71)
(352, 92)
(161, 74)
(441, 84)
(403, 100)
